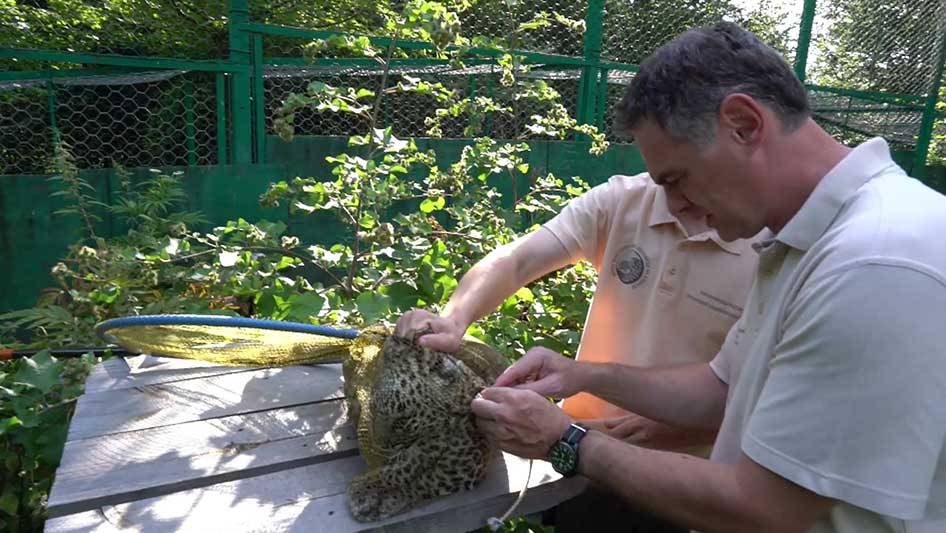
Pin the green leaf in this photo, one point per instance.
(285, 262)
(7, 423)
(403, 296)
(523, 168)
(40, 372)
(430, 205)
(302, 307)
(265, 305)
(9, 501)
(372, 305)
(444, 286)
(367, 221)
(525, 294)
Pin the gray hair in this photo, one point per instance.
(683, 83)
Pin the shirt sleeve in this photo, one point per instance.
(853, 407)
(722, 362)
(581, 226)
(584, 224)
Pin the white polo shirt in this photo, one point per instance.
(662, 297)
(837, 367)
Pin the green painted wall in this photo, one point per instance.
(33, 238)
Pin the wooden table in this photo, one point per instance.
(169, 445)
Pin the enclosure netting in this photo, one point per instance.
(162, 118)
(871, 65)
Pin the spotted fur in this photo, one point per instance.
(416, 430)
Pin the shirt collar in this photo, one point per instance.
(835, 188)
(660, 214)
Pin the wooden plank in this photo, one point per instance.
(203, 398)
(128, 466)
(117, 373)
(312, 498)
(105, 373)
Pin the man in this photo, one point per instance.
(829, 391)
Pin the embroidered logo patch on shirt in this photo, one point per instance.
(631, 265)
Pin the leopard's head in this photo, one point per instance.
(418, 391)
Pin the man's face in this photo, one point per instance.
(714, 180)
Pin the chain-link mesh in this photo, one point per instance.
(879, 53)
(855, 119)
(25, 136)
(618, 81)
(145, 119)
(500, 19)
(884, 53)
(888, 46)
(633, 29)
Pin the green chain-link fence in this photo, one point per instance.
(167, 82)
(874, 64)
(143, 119)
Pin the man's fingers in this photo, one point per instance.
(548, 387)
(626, 429)
(444, 342)
(597, 424)
(514, 375)
(497, 395)
(412, 320)
(485, 407)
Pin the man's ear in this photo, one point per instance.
(742, 118)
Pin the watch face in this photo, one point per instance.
(564, 459)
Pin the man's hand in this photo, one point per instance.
(548, 373)
(640, 431)
(442, 333)
(521, 421)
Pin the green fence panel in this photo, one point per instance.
(33, 238)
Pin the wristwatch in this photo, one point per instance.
(564, 454)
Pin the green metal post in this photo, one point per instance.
(242, 145)
(189, 129)
(594, 34)
(929, 114)
(259, 100)
(221, 99)
(51, 108)
(804, 38)
(602, 99)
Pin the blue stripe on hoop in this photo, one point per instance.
(223, 321)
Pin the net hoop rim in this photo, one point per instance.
(102, 328)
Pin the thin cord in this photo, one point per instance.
(495, 524)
